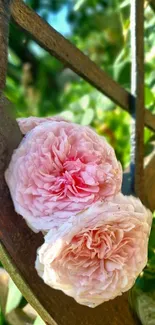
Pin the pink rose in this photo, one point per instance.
(58, 170)
(98, 254)
(26, 124)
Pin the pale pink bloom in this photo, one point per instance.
(26, 124)
(98, 254)
(59, 169)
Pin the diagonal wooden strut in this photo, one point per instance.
(66, 52)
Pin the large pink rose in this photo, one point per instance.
(58, 170)
(26, 124)
(98, 254)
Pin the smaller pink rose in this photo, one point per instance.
(98, 254)
(26, 124)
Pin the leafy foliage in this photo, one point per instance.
(38, 84)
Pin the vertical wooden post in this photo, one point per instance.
(137, 89)
(4, 31)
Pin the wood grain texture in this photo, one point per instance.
(66, 52)
(137, 90)
(149, 187)
(4, 30)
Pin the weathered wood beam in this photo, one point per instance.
(4, 31)
(149, 173)
(137, 90)
(66, 52)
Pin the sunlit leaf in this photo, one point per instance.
(14, 297)
(149, 97)
(124, 4)
(38, 321)
(104, 103)
(84, 101)
(68, 115)
(78, 4)
(87, 117)
(13, 58)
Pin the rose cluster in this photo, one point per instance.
(65, 181)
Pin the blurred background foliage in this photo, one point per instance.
(39, 85)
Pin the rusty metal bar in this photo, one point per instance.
(4, 31)
(66, 52)
(137, 90)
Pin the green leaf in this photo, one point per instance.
(147, 135)
(68, 115)
(78, 4)
(87, 117)
(1, 317)
(146, 309)
(84, 101)
(125, 4)
(149, 98)
(152, 240)
(143, 304)
(14, 297)
(13, 58)
(122, 72)
(38, 321)
(22, 303)
(103, 104)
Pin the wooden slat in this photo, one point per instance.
(4, 29)
(137, 89)
(66, 52)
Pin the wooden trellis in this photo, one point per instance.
(18, 243)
